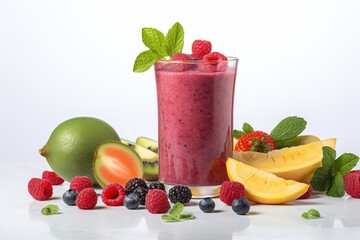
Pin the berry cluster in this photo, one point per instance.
(201, 50)
(154, 196)
(41, 188)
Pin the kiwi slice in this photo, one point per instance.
(149, 158)
(148, 143)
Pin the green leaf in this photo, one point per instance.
(187, 216)
(328, 159)
(144, 61)
(247, 128)
(238, 134)
(170, 218)
(321, 180)
(155, 40)
(176, 210)
(50, 209)
(288, 128)
(174, 41)
(345, 163)
(296, 141)
(337, 188)
(311, 214)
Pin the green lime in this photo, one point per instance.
(71, 146)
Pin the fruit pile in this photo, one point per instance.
(136, 192)
(73, 144)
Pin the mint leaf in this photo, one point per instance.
(345, 163)
(174, 41)
(311, 214)
(238, 134)
(187, 216)
(50, 209)
(288, 128)
(247, 128)
(297, 141)
(175, 214)
(176, 210)
(330, 177)
(170, 218)
(154, 40)
(328, 159)
(321, 180)
(314, 212)
(337, 188)
(144, 61)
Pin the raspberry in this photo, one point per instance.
(157, 201)
(200, 48)
(352, 183)
(182, 65)
(113, 195)
(180, 194)
(214, 62)
(78, 183)
(87, 199)
(230, 190)
(40, 189)
(52, 177)
(307, 194)
(133, 184)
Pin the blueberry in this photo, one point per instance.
(69, 197)
(241, 206)
(131, 201)
(207, 205)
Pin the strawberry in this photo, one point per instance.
(257, 141)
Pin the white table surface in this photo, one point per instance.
(21, 217)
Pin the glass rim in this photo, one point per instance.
(196, 61)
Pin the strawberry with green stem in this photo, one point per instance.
(287, 130)
(256, 141)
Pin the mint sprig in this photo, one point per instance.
(160, 46)
(329, 177)
(175, 214)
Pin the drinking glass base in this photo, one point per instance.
(199, 191)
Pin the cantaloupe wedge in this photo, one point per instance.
(263, 187)
(293, 163)
(116, 163)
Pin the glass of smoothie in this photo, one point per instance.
(195, 122)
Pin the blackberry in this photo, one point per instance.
(141, 193)
(241, 206)
(157, 185)
(180, 194)
(133, 184)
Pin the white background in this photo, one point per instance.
(62, 59)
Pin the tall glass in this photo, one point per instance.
(195, 122)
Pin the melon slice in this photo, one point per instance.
(263, 187)
(116, 163)
(294, 163)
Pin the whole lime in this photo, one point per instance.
(71, 146)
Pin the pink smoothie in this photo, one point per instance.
(195, 112)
